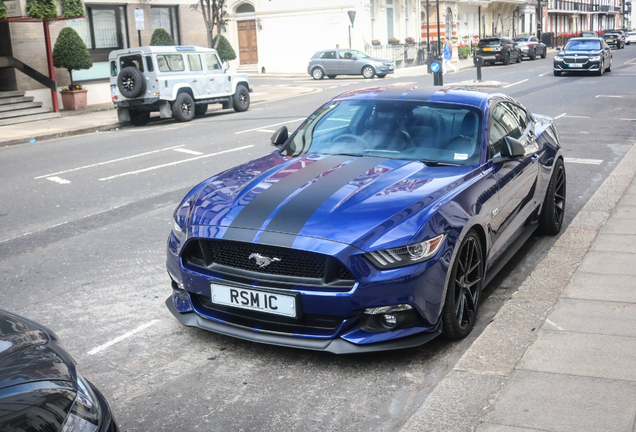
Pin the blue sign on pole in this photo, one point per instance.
(435, 66)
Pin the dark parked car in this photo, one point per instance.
(498, 50)
(614, 39)
(375, 226)
(589, 34)
(531, 47)
(40, 387)
(584, 55)
(347, 62)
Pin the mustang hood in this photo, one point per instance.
(361, 201)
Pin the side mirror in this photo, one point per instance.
(558, 48)
(280, 136)
(512, 149)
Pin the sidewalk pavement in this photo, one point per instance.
(560, 355)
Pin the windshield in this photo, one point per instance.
(430, 132)
(359, 54)
(583, 45)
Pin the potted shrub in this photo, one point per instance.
(71, 53)
(375, 42)
(160, 37)
(409, 40)
(393, 41)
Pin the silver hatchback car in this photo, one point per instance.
(347, 62)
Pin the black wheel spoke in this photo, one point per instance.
(471, 284)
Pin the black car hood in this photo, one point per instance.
(30, 352)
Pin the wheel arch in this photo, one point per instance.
(371, 66)
(182, 88)
(239, 83)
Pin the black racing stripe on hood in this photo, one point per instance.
(295, 213)
(262, 205)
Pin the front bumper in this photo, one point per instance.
(335, 346)
(589, 66)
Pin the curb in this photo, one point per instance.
(82, 131)
(471, 389)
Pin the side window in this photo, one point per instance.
(113, 68)
(149, 65)
(194, 60)
(345, 55)
(170, 63)
(522, 117)
(504, 122)
(212, 62)
(131, 61)
(328, 55)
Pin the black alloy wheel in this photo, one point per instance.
(553, 210)
(545, 52)
(241, 99)
(518, 57)
(131, 82)
(533, 55)
(464, 289)
(507, 58)
(183, 107)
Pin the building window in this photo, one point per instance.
(166, 17)
(245, 8)
(372, 19)
(103, 30)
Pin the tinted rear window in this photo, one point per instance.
(328, 55)
(489, 42)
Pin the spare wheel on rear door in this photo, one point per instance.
(131, 82)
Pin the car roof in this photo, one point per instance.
(584, 38)
(181, 49)
(464, 96)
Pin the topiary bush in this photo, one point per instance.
(3, 10)
(70, 52)
(463, 51)
(41, 9)
(225, 50)
(72, 8)
(160, 37)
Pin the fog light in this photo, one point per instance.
(389, 320)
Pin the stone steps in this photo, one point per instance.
(17, 108)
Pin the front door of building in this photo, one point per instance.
(248, 50)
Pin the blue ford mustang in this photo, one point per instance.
(374, 226)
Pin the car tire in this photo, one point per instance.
(557, 73)
(533, 56)
(464, 288)
(553, 211)
(381, 75)
(200, 110)
(507, 59)
(518, 58)
(131, 82)
(609, 68)
(600, 71)
(317, 73)
(545, 53)
(331, 76)
(241, 99)
(183, 107)
(368, 72)
(139, 118)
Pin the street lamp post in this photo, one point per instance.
(539, 13)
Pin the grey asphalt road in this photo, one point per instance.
(82, 250)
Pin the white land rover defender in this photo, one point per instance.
(177, 81)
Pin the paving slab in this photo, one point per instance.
(563, 403)
(491, 427)
(623, 243)
(456, 404)
(590, 218)
(576, 238)
(594, 316)
(582, 354)
(619, 226)
(503, 342)
(625, 212)
(592, 286)
(628, 200)
(610, 262)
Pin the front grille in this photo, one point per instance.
(575, 59)
(262, 262)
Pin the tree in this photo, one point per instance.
(41, 9)
(70, 52)
(214, 15)
(223, 47)
(3, 10)
(160, 37)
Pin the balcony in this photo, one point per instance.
(571, 6)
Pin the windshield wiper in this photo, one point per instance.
(437, 163)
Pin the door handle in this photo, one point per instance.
(535, 156)
(194, 81)
(211, 79)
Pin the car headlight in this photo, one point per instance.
(406, 255)
(558, 58)
(594, 58)
(178, 230)
(85, 412)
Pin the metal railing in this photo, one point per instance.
(12, 62)
(402, 55)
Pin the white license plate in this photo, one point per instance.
(261, 301)
(575, 65)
